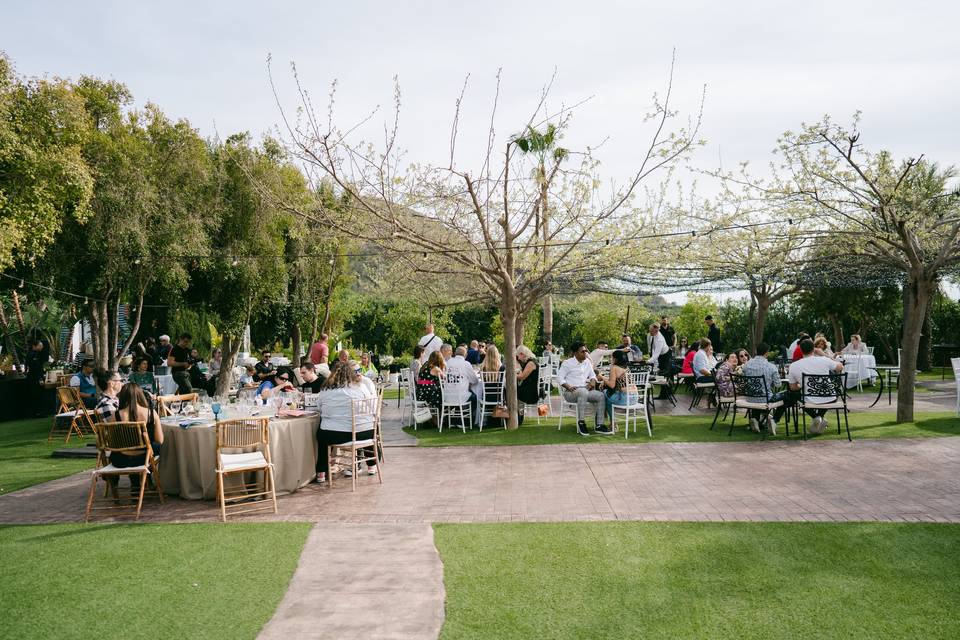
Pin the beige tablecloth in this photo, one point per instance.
(189, 457)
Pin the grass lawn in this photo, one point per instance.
(116, 581)
(700, 580)
(25, 455)
(693, 428)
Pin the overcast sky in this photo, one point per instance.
(766, 68)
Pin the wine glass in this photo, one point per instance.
(215, 407)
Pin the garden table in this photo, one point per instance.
(188, 460)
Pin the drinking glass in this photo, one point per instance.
(216, 409)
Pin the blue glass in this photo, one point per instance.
(216, 410)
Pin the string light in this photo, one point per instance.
(235, 262)
(137, 261)
(21, 284)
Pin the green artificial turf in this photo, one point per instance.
(25, 455)
(140, 581)
(700, 580)
(693, 428)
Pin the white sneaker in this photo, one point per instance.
(754, 425)
(371, 471)
(347, 473)
(772, 425)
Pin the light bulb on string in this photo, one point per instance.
(137, 261)
(235, 262)
(21, 284)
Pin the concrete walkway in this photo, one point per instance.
(363, 581)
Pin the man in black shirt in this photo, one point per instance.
(180, 363)
(37, 358)
(714, 334)
(667, 331)
(264, 369)
(311, 381)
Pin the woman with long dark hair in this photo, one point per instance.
(615, 384)
(134, 407)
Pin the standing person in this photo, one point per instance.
(577, 381)
(320, 351)
(635, 353)
(164, 349)
(180, 362)
(713, 333)
(36, 360)
(667, 331)
(660, 352)
(430, 342)
(85, 384)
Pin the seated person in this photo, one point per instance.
(473, 353)
(83, 380)
(615, 384)
(722, 375)
(856, 346)
(312, 381)
(760, 366)
(636, 353)
(597, 355)
(428, 380)
(141, 374)
(367, 368)
(810, 364)
(688, 358)
(248, 377)
(822, 348)
(336, 416)
(109, 383)
(796, 354)
(528, 377)
(704, 362)
(279, 383)
(133, 406)
(577, 380)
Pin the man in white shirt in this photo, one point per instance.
(811, 364)
(660, 353)
(446, 350)
(703, 363)
(430, 342)
(458, 365)
(576, 379)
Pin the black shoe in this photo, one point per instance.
(604, 430)
(582, 428)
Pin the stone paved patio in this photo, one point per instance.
(898, 479)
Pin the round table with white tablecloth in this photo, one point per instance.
(857, 368)
(188, 460)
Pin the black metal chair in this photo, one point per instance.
(832, 386)
(747, 390)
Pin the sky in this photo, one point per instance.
(767, 67)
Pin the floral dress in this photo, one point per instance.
(428, 387)
(724, 383)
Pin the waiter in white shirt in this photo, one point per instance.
(576, 379)
(430, 342)
(660, 353)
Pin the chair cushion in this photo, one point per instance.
(67, 414)
(827, 405)
(704, 385)
(108, 469)
(759, 405)
(237, 461)
(354, 443)
(725, 399)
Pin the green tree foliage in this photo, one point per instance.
(44, 180)
(689, 321)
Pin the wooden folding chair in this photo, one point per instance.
(355, 452)
(72, 408)
(163, 401)
(243, 447)
(128, 438)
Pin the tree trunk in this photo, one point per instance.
(113, 333)
(230, 346)
(923, 351)
(295, 339)
(519, 325)
(508, 314)
(135, 327)
(752, 322)
(547, 318)
(838, 341)
(7, 338)
(316, 318)
(917, 292)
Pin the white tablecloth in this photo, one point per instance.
(859, 368)
(165, 385)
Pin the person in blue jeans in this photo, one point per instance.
(615, 385)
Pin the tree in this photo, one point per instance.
(44, 181)
(897, 215)
(475, 229)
